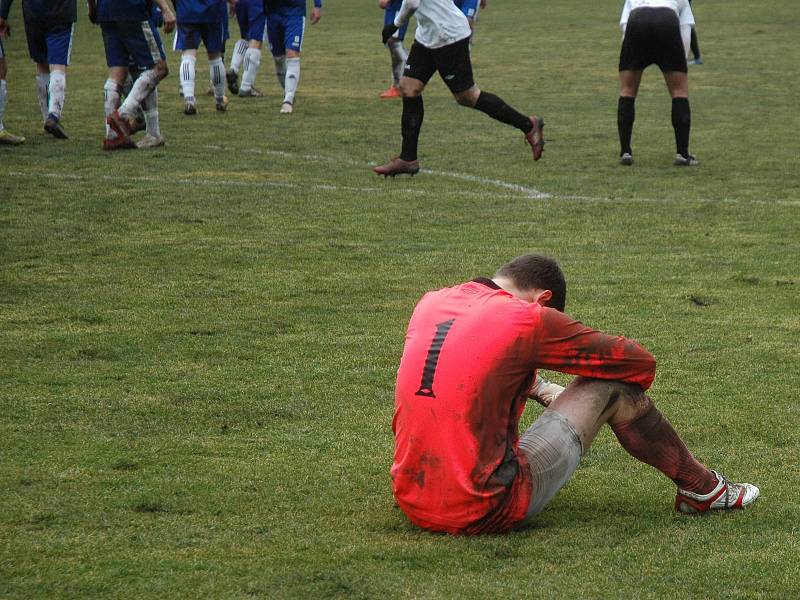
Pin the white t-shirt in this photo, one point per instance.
(439, 22)
(682, 8)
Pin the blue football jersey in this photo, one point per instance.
(110, 11)
(200, 11)
(46, 11)
(289, 7)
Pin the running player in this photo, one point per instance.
(286, 23)
(49, 26)
(6, 137)
(470, 358)
(201, 20)
(395, 45)
(441, 43)
(130, 34)
(252, 26)
(655, 31)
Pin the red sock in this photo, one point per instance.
(651, 439)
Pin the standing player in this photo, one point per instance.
(201, 20)
(6, 137)
(49, 25)
(395, 45)
(470, 358)
(252, 25)
(286, 24)
(130, 35)
(655, 31)
(441, 43)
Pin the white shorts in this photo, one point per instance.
(553, 449)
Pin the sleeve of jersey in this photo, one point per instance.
(569, 346)
(408, 8)
(317, 3)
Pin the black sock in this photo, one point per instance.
(695, 45)
(411, 123)
(626, 114)
(681, 123)
(497, 109)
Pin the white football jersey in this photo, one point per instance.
(439, 22)
(682, 8)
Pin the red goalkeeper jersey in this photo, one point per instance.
(470, 358)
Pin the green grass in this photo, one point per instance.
(198, 344)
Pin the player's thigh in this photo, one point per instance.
(59, 43)
(677, 83)
(671, 53)
(117, 55)
(275, 37)
(455, 66)
(213, 35)
(187, 37)
(36, 36)
(552, 449)
(143, 43)
(293, 33)
(420, 64)
(629, 82)
(637, 50)
(257, 21)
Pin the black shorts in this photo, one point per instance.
(653, 36)
(452, 62)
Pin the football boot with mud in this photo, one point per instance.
(253, 92)
(398, 166)
(725, 496)
(685, 161)
(9, 139)
(287, 108)
(54, 128)
(190, 108)
(626, 158)
(535, 137)
(150, 141)
(232, 77)
(222, 104)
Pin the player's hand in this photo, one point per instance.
(483, 4)
(544, 392)
(316, 15)
(388, 31)
(5, 28)
(232, 8)
(169, 21)
(383, 3)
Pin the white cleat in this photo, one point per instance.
(150, 141)
(286, 108)
(725, 496)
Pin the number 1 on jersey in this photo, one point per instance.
(426, 385)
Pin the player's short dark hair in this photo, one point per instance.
(537, 271)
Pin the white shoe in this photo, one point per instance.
(725, 496)
(286, 108)
(544, 392)
(150, 141)
(626, 158)
(685, 161)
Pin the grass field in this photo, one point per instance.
(198, 344)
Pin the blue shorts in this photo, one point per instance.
(49, 44)
(252, 20)
(134, 42)
(285, 32)
(388, 19)
(468, 7)
(189, 35)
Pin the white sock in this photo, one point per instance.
(292, 79)
(57, 90)
(187, 76)
(42, 86)
(399, 55)
(150, 107)
(217, 74)
(280, 70)
(128, 85)
(238, 55)
(111, 94)
(252, 59)
(142, 87)
(3, 93)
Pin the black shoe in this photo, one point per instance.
(233, 81)
(685, 161)
(54, 128)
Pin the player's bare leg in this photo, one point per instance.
(629, 82)
(678, 86)
(410, 125)
(495, 107)
(646, 435)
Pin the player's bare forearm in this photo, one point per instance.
(407, 10)
(169, 16)
(316, 15)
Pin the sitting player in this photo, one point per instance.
(286, 23)
(49, 26)
(395, 45)
(201, 20)
(130, 34)
(252, 25)
(6, 137)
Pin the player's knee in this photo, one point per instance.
(161, 69)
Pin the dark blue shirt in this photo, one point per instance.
(200, 11)
(46, 11)
(110, 11)
(288, 7)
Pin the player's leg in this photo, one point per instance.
(697, 59)
(678, 86)
(187, 40)
(454, 65)
(420, 67)
(117, 59)
(240, 48)
(256, 26)
(293, 42)
(59, 50)
(213, 35)
(275, 37)
(397, 51)
(629, 81)
(35, 34)
(6, 137)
